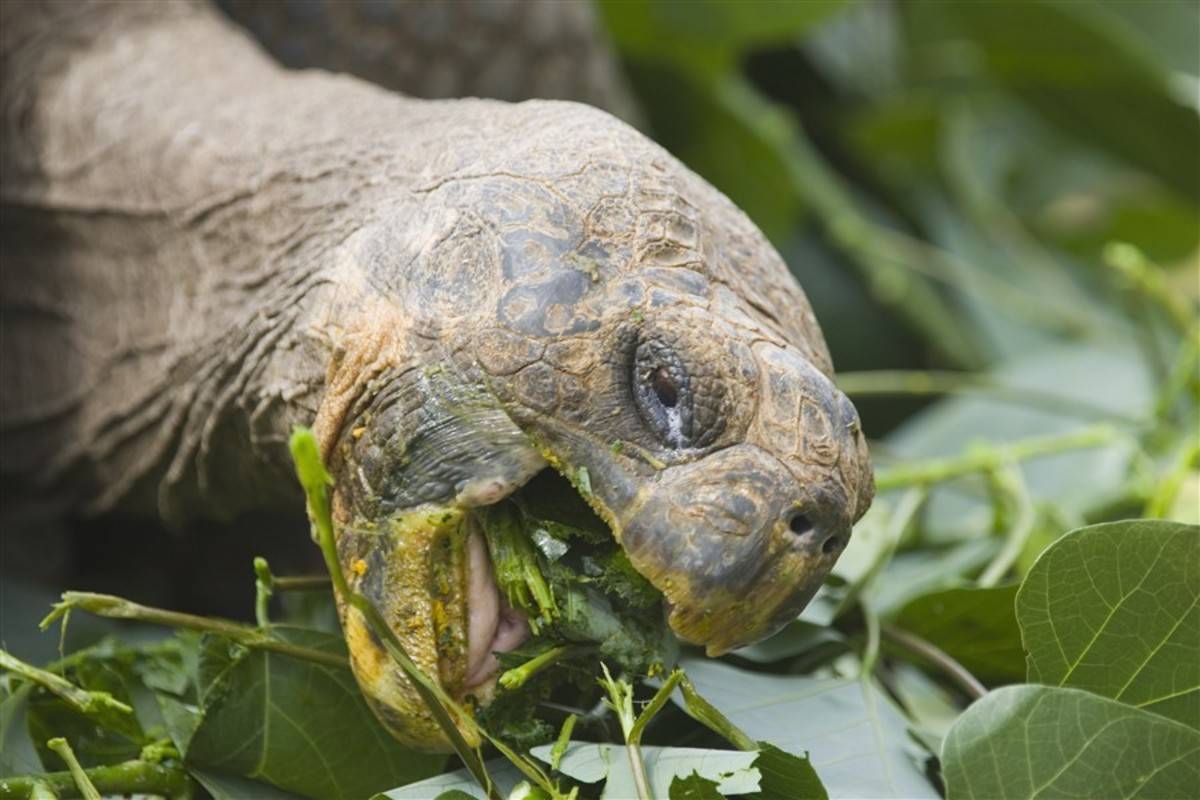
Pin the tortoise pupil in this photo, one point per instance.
(664, 387)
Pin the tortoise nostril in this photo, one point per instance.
(799, 524)
(831, 545)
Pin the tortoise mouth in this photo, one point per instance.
(493, 626)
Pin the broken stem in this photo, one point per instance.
(106, 605)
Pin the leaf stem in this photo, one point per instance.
(516, 677)
(1170, 482)
(1012, 481)
(712, 718)
(263, 589)
(1149, 280)
(100, 707)
(938, 657)
(137, 777)
(899, 521)
(620, 700)
(301, 583)
(106, 605)
(924, 383)
(78, 775)
(989, 457)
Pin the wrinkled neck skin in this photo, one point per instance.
(455, 294)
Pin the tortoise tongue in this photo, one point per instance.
(493, 626)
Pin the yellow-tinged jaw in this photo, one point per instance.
(413, 567)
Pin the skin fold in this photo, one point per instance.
(202, 249)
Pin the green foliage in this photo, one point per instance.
(975, 626)
(732, 772)
(854, 735)
(1034, 741)
(1115, 609)
(993, 209)
(293, 724)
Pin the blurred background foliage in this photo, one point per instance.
(942, 178)
(993, 207)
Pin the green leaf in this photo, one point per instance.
(1034, 742)
(694, 787)
(798, 638)
(298, 725)
(1091, 78)
(786, 776)
(976, 627)
(1115, 609)
(503, 773)
(732, 770)
(18, 755)
(855, 738)
(231, 787)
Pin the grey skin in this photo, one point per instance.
(202, 249)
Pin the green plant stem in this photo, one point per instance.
(516, 677)
(135, 777)
(1184, 373)
(564, 739)
(106, 605)
(938, 658)
(924, 383)
(1013, 483)
(78, 775)
(1169, 484)
(301, 583)
(984, 458)
(712, 718)
(263, 589)
(654, 706)
(620, 700)
(1149, 280)
(97, 705)
(906, 510)
(871, 652)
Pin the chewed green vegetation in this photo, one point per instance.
(558, 563)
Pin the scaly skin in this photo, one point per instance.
(202, 249)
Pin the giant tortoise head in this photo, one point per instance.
(572, 297)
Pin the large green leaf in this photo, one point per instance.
(854, 736)
(977, 627)
(1039, 742)
(1115, 609)
(298, 725)
(732, 770)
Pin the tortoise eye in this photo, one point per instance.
(664, 387)
(662, 393)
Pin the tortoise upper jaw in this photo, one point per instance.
(737, 546)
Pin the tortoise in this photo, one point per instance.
(203, 249)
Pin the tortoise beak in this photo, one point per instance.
(735, 545)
